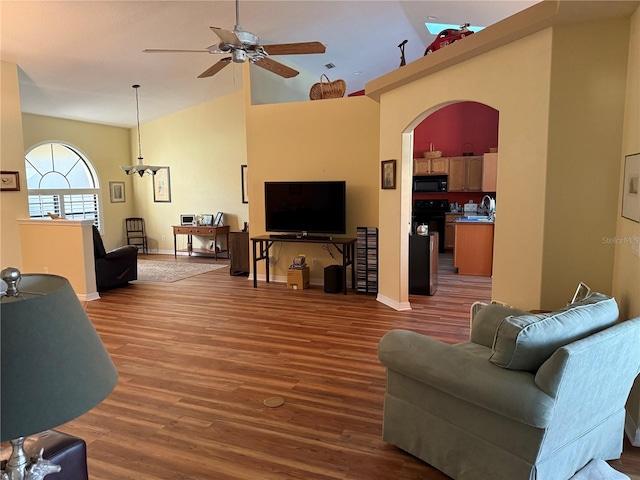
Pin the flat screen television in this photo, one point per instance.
(305, 207)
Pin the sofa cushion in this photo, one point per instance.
(525, 342)
(486, 321)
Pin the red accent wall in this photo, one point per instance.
(455, 126)
(450, 129)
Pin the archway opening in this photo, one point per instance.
(454, 166)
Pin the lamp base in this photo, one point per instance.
(20, 467)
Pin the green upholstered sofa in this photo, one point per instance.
(530, 396)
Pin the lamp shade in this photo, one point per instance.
(53, 364)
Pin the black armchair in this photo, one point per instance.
(114, 268)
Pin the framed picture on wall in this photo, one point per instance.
(116, 192)
(9, 181)
(162, 186)
(388, 174)
(631, 188)
(245, 185)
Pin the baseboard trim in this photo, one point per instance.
(632, 430)
(399, 306)
(88, 297)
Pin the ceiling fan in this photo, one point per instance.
(245, 46)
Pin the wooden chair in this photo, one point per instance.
(136, 234)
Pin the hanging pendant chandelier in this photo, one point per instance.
(140, 168)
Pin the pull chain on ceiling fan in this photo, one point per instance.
(243, 46)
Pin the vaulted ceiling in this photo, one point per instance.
(79, 59)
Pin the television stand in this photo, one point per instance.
(346, 247)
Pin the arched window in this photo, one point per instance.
(62, 181)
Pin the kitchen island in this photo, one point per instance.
(473, 251)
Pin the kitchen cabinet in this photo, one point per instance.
(489, 172)
(465, 174)
(473, 250)
(430, 166)
(450, 230)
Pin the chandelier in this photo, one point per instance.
(140, 168)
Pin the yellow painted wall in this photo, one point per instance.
(333, 139)
(626, 274)
(585, 138)
(626, 245)
(106, 147)
(203, 147)
(13, 205)
(514, 79)
(61, 247)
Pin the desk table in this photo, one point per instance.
(201, 231)
(346, 247)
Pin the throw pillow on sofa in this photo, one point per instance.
(525, 342)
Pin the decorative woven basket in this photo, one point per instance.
(432, 153)
(327, 89)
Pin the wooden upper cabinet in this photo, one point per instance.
(457, 174)
(474, 174)
(440, 166)
(430, 166)
(465, 174)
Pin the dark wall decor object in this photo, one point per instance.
(245, 185)
(388, 174)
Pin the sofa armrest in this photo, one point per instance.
(466, 376)
(122, 252)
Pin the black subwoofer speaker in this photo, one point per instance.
(333, 279)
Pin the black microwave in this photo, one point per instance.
(430, 184)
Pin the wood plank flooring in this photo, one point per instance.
(197, 358)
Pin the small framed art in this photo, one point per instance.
(162, 186)
(116, 192)
(9, 181)
(388, 174)
(582, 292)
(217, 222)
(245, 185)
(631, 188)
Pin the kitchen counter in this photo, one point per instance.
(475, 220)
(473, 251)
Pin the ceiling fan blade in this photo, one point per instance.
(162, 50)
(215, 68)
(276, 67)
(294, 48)
(227, 36)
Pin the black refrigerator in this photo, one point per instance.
(423, 264)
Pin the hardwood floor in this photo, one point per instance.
(197, 358)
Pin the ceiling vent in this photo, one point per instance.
(329, 66)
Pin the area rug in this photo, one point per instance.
(169, 272)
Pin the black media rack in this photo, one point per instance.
(367, 260)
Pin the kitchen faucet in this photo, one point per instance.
(491, 207)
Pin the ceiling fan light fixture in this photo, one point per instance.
(141, 168)
(239, 56)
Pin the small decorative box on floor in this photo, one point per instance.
(298, 278)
